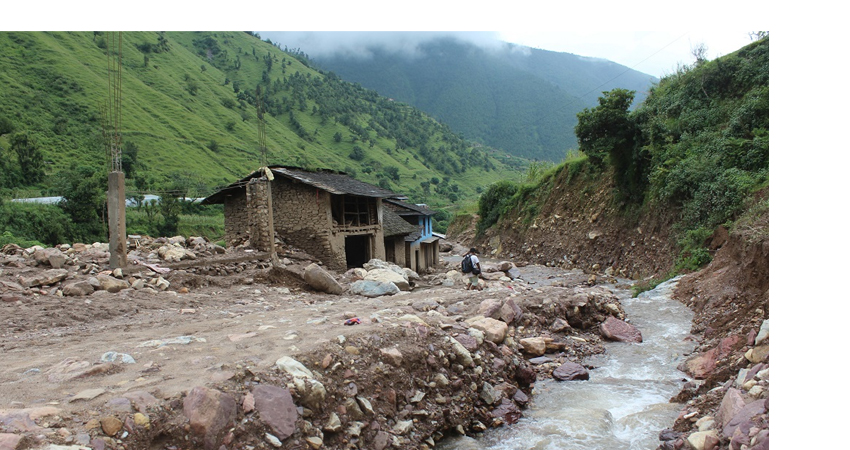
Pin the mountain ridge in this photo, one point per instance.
(519, 99)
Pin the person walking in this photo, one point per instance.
(471, 266)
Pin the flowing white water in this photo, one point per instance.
(624, 405)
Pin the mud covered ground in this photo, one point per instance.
(114, 369)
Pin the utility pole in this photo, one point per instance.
(115, 198)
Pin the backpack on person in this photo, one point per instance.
(466, 264)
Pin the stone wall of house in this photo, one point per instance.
(398, 247)
(237, 223)
(302, 216)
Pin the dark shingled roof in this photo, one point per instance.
(404, 209)
(396, 226)
(325, 179)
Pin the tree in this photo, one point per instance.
(83, 191)
(128, 159)
(357, 154)
(30, 159)
(607, 134)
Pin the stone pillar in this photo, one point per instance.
(258, 200)
(115, 206)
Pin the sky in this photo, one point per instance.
(656, 53)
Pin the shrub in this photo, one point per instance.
(492, 202)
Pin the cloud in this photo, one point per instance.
(361, 44)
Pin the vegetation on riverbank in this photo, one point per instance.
(697, 149)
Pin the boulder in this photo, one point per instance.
(371, 288)
(211, 413)
(764, 332)
(293, 367)
(742, 416)
(510, 312)
(78, 289)
(387, 275)
(320, 280)
(733, 401)
(276, 409)
(490, 307)
(570, 371)
(46, 278)
(112, 284)
(704, 440)
(52, 257)
(494, 330)
(171, 253)
(701, 365)
(615, 329)
(534, 346)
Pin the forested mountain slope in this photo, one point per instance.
(516, 98)
(189, 117)
(653, 183)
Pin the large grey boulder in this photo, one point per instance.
(372, 288)
(388, 275)
(320, 280)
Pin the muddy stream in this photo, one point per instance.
(624, 405)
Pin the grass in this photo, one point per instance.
(61, 76)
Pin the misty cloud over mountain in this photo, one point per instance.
(361, 44)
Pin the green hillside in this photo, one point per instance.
(696, 150)
(518, 99)
(189, 117)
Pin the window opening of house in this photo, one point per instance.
(353, 211)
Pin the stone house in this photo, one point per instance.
(421, 250)
(326, 213)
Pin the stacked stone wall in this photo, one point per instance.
(237, 224)
(302, 216)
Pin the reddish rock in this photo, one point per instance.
(210, 413)
(276, 408)
(468, 342)
(742, 417)
(510, 312)
(9, 441)
(525, 376)
(489, 307)
(729, 344)
(521, 398)
(701, 365)
(381, 441)
(570, 371)
(615, 329)
(141, 400)
(732, 402)
(507, 411)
